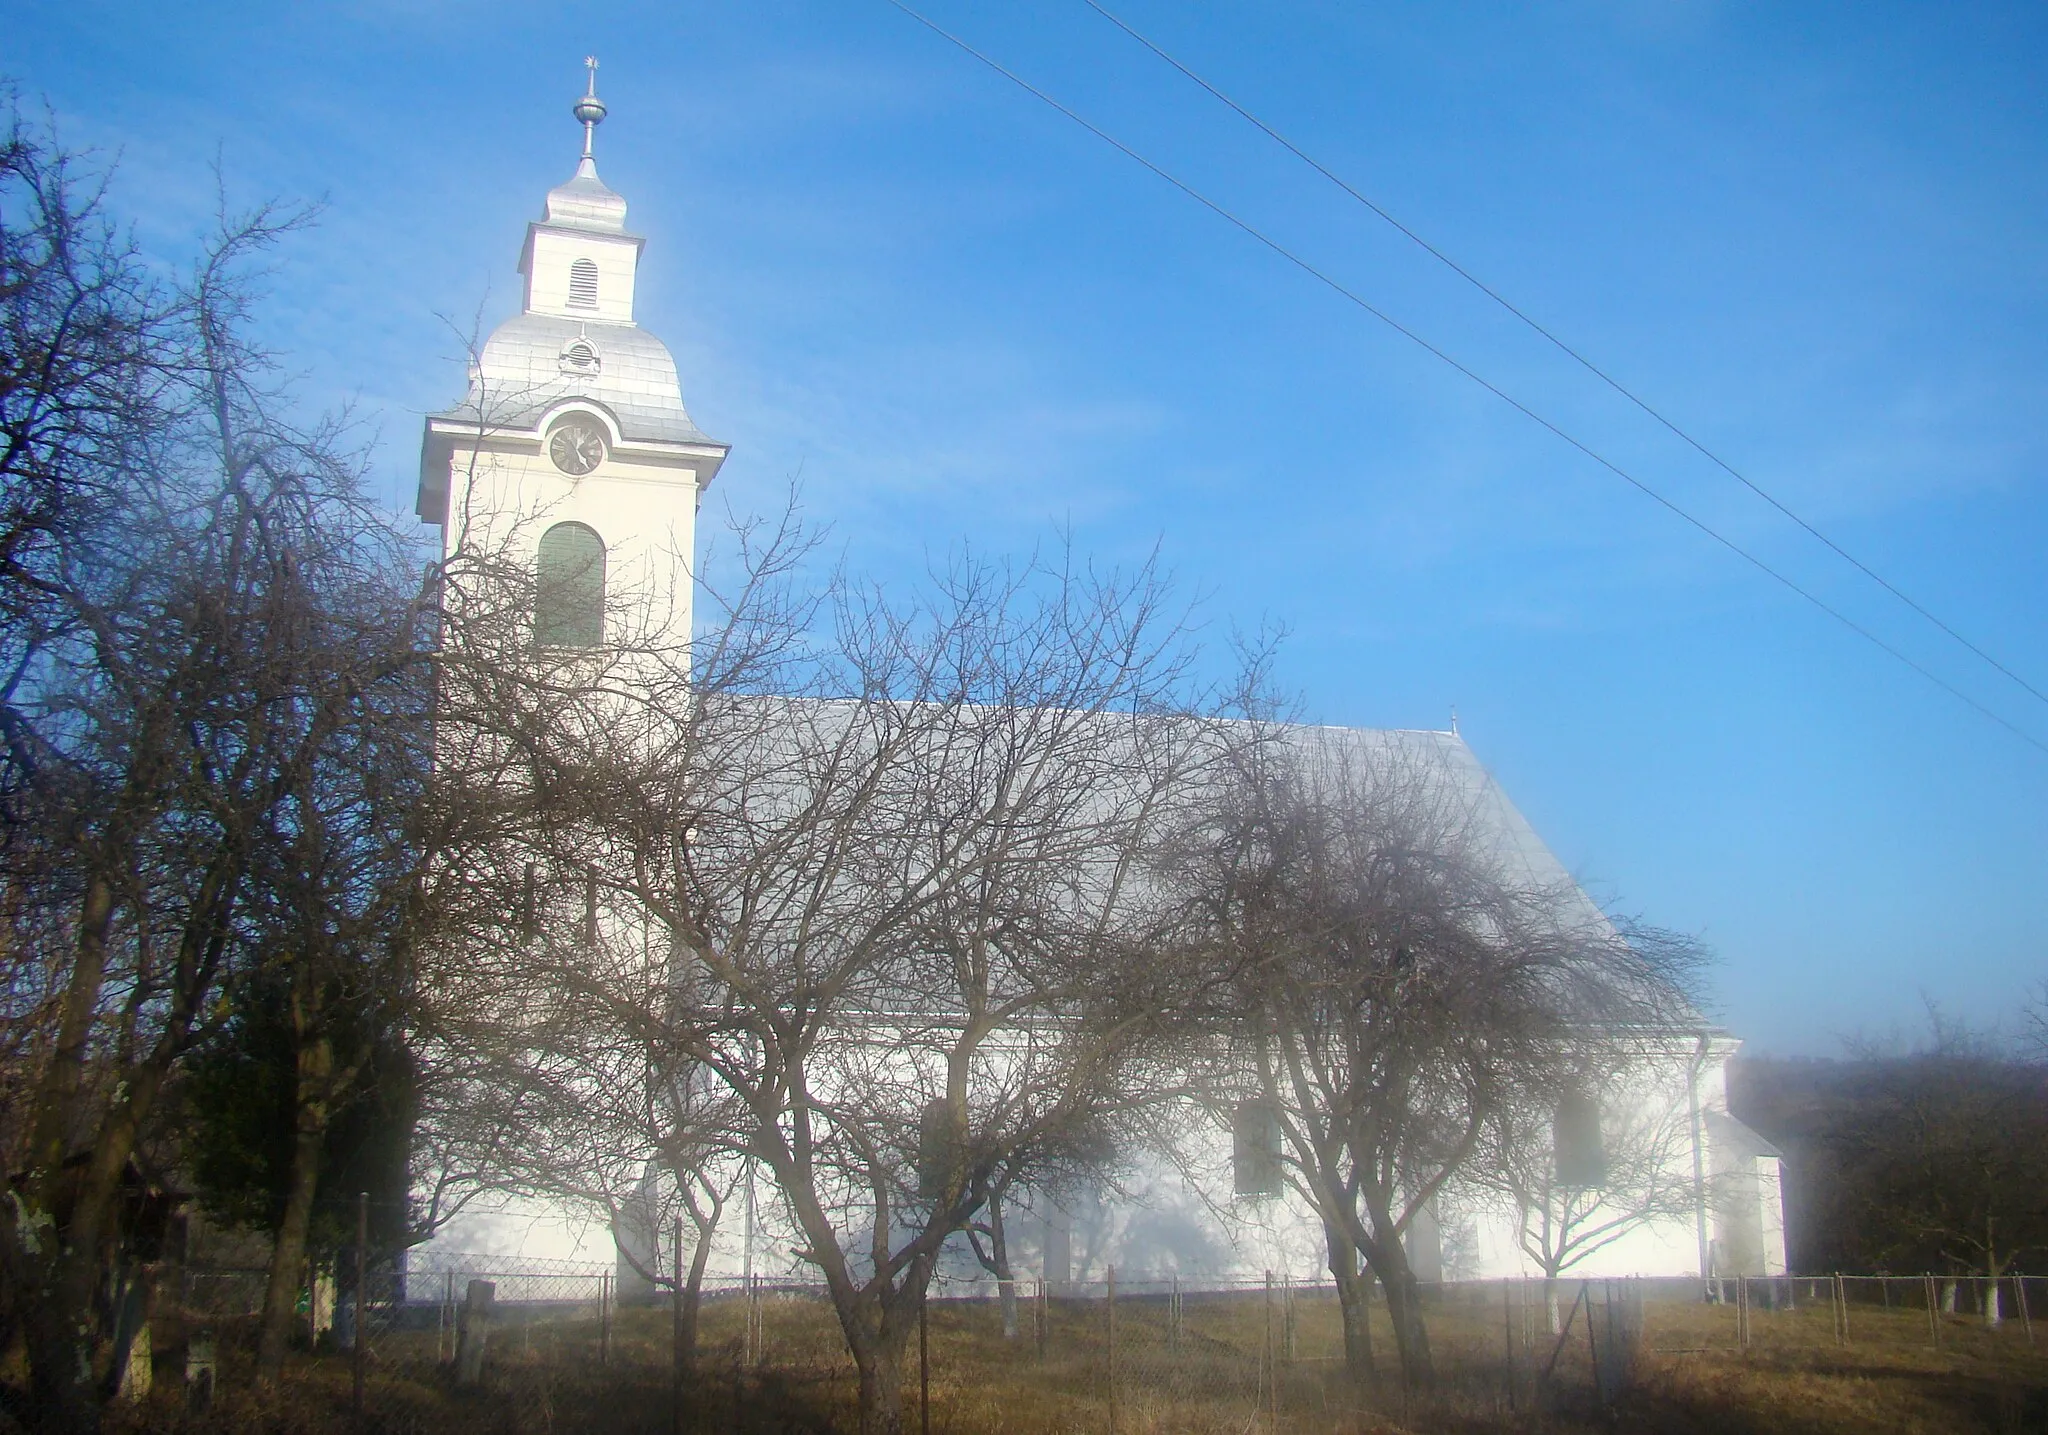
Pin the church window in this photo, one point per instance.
(1255, 1149)
(569, 581)
(583, 284)
(1580, 1154)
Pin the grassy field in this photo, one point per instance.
(1212, 1376)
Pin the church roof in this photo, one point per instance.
(531, 364)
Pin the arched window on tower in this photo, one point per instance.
(583, 285)
(568, 610)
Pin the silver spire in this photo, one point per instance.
(589, 111)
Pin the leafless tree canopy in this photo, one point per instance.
(863, 889)
(211, 644)
(1407, 977)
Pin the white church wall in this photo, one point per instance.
(1167, 1216)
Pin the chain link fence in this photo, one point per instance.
(462, 1342)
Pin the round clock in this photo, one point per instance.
(576, 446)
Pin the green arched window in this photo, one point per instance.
(568, 609)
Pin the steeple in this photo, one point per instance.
(584, 202)
(574, 354)
(579, 262)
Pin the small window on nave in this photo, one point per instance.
(1579, 1152)
(1255, 1138)
(568, 610)
(583, 284)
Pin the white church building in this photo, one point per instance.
(575, 449)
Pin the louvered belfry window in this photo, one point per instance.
(569, 578)
(583, 284)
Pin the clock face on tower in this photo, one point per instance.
(576, 446)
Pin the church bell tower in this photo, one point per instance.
(572, 451)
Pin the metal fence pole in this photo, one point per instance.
(2019, 1288)
(1272, 1365)
(924, 1365)
(1933, 1317)
(362, 1342)
(1507, 1318)
(1112, 1350)
(604, 1318)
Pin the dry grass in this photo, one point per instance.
(545, 1379)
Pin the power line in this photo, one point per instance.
(1574, 354)
(1446, 358)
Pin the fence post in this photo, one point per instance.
(473, 1338)
(1507, 1316)
(199, 1372)
(675, 1379)
(760, 1324)
(2019, 1288)
(1038, 1318)
(1289, 1344)
(1933, 1317)
(360, 1326)
(1173, 1321)
(1272, 1364)
(1742, 1311)
(604, 1318)
(1112, 1350)
(924, 1364)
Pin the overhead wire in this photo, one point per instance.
(1337, 286)
(1565, 348)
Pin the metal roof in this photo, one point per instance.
(526, 369)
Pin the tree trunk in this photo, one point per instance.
(692, 1294)
(881, 1387)
(1354, 1303)
(1411, 1336)
(1389, 1261)
(63, 1250)
(1550, 1303)
(288, 1253)
(999, 1260)
(49, 1279)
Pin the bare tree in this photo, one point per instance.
(899, 854)
(195, 605)
(1941, 1153)
(1601, 1149)
(1397, 968)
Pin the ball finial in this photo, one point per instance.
(589, 110)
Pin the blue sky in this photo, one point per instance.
(1817, 236)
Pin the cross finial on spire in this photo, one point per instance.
(589, 110)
